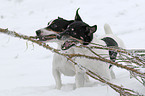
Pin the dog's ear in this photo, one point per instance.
(93, 29)
(68, 44)
(59, 17)
(77, 17)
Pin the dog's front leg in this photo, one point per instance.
(112, 74)
(80, 77)
(57, 77)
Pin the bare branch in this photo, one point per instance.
(121, 90)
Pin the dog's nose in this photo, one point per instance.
(38, 32)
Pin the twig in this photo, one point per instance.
(111, 62)
(119, 50)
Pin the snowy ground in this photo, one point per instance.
(26, 71)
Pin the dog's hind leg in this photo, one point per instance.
(57, 77)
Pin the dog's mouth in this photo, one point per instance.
(68, 44)
(47, 37)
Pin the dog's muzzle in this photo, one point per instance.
(45, 37)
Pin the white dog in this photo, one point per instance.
(61, 65)
(99, 67)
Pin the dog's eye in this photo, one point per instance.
(53, 25)
(72, 29)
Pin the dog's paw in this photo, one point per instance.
(58, 87)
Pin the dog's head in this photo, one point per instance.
(78, 31)
(55, 27)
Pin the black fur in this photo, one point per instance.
(59, 24)
(77, 17)
(79, 30)
(111, 42)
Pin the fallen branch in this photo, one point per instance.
(122, 91)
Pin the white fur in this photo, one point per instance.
(107, 29)
(49, 32)
(46, 32)
(62, 66)
(109, 33)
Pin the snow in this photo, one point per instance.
(27, 71)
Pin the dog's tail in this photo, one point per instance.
(107, 29)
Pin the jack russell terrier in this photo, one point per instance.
(77, 30)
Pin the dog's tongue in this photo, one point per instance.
(67, 45)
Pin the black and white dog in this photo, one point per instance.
(60, 64)
(77, 30)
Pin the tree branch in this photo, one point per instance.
(122, 91)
